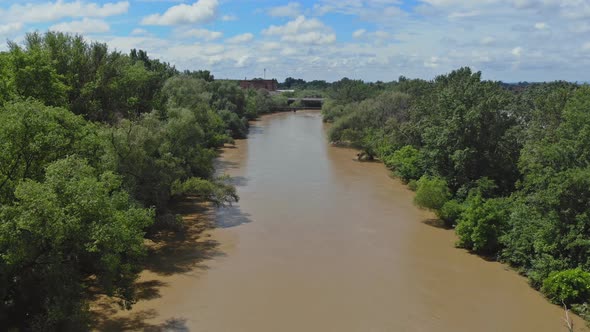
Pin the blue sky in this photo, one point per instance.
(509, 40)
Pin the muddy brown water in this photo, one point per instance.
(320, 242)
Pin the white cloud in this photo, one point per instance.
(228, 18)
(459, 15)
(488, 40)
(541, 26)
(292, 9)
(10, 28)
(312, 37)
(243, 38)
(204, 34)
(374, 11)
(302, 30)
(53, 11)
(139, 32)
(201, 11)
(359, 33)
(517, 51)
(432, 62)
(86, 25)
(298, 25)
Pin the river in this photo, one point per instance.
(320, 242)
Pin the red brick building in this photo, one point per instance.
(270, 85)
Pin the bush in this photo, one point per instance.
(432, 193)
(407, 163)
(568, 286)
(482, 224)
(413, 185)
(451, 212)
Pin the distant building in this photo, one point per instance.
(270, 85)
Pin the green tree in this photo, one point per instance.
(75, 227)
(482, 223)
(7, 89)
(35, 76)
(407, 163)
(33, 135)
(569, 286)
(432, 193)
(467, 132)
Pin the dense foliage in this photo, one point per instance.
(507, 167)
(93, 146)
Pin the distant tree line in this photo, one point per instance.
(93, 146)
(508, 166)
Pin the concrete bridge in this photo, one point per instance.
(305, 103)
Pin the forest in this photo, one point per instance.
(94, 144)
(506, 166)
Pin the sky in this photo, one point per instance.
(508, 40)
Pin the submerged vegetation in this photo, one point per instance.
(93, 146)
(509, 169)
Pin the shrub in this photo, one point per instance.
(568, 286)
(432, 193)
(413, 185)
(407, 163)
(451, 212)
(482, 224)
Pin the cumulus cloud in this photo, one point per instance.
(204, 34)
(432, 62)
(228, 18)
(302, 30)
(292, 9)
(517, 51)
(10, 28)
(359, 33)
(139, 32)
(311, 37)
(243, 38)
(201, 11)
(374, 11)
(541, 26)
(86, 25)
(53, 11)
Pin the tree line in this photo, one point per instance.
(506, 166)
(94, 144)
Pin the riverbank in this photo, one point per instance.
(170, 253)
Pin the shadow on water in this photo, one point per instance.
(137, 322)
(231, 216)
(225, 165)
(254, 129)
(437, 223)
(148, 290)
(238, 181)
(180, 251)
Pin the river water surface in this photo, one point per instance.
(320, 242)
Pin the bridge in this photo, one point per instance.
(305, 103)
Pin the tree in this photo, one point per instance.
(7, 89)
(482, 224)
(407, 163)
(35, 76)
(468, 134)
(76, 226)
(33, 135)
(432, 193)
